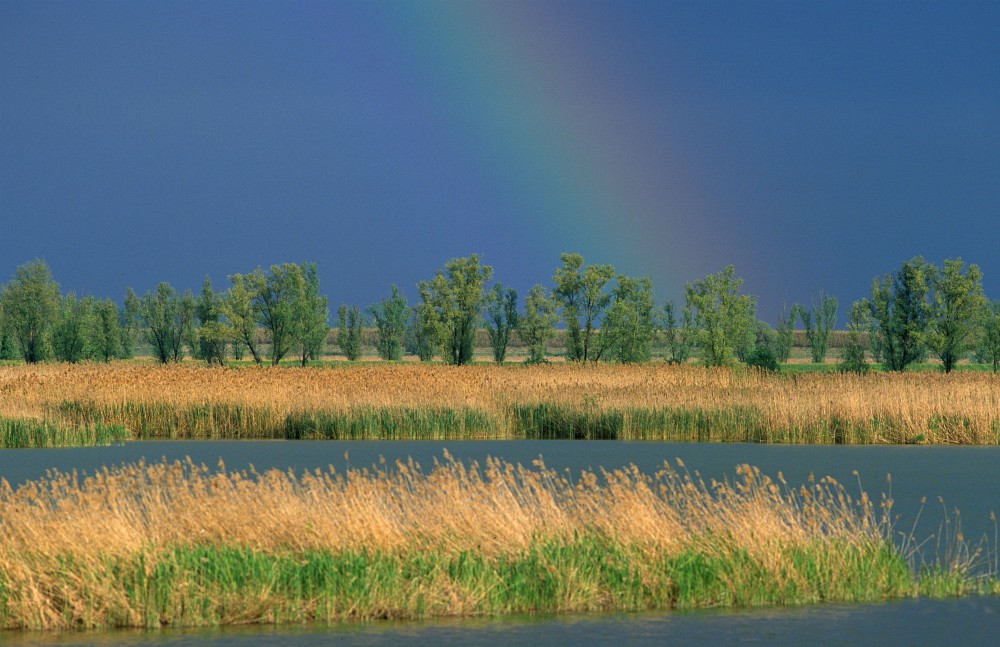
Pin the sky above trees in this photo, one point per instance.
(812, 145)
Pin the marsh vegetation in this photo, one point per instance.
(178, 544)
(628, 402)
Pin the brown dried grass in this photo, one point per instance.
(57, 535)
(966, 404)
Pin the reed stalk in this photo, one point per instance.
(177, 544)
(654, 402)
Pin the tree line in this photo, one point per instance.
(279, 313)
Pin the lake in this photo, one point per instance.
(948, 477)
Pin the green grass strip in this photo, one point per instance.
(27, 433)
(216, 585)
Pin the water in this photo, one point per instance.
(968, 622)
(964, 478)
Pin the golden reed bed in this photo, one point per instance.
(178, 544)
(959, 407)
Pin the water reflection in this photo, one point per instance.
(969, 622)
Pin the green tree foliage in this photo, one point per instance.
(453, 300)
(390, 316)
(189, 324)
(724, 317)
(351, 327)
(107, 332)
(852, 356)
(310, 313)
(30, 304)
(240, 306)
(680, 336)
(236, 345)
(746, 343)
(568, 295)
(580, 292)
(785, 335)
(956, 309)
(765, 335)
(213, 334)
(501, 319)
(7, 349)
(206, 312)
(422, 335)
(989, 347)
(819, 322)
(70, 335)
(629, 327)
(275, 302)
(900, 312)
(763, 358)
(538, 324)
(131, 323)
(763, 355)
(166, 325)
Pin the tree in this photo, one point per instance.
(955, 311)
(537, 325)
(209, 345)
(30, 305)
(786, 335)
(853, 354)
(130, 322)
(107, 333)
(422, 332)
(580, 291)
(237, 346)
(629, 327)
(679, 337)
(165, 324)
(310, 313)
(240, 307)
(501, 319)
(725, 318)
(746, 343)
(7, 350)
(824, 315)
(350, 331)
(213, 334)
(390, 316)
(274, 300)
(188, 323)
(70, 334)
(990, 342)
(568, 295)
(900, 313)
(763, 355)
(765, 336)
(453, 300)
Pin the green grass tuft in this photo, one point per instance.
(26, 433)
(208, 585)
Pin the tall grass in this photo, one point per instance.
(543, 420)
(564, 401)
(178, 544)
(22, 433)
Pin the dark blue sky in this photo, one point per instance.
(812, 144)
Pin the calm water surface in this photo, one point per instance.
(966, 622)
(963, 478)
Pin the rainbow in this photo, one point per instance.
(544, 112)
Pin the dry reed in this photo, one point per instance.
(176, 543)
(653, 401)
